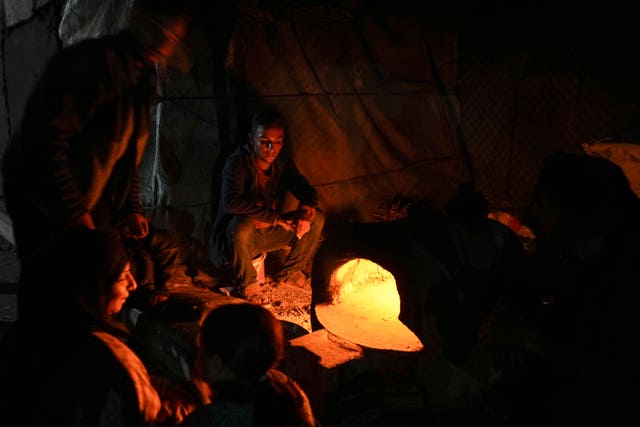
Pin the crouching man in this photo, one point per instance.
(250, 221)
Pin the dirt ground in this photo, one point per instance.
(287, 302)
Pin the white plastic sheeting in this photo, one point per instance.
(82, 19)
(177, 170)
(13, 12)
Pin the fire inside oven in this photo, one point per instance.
(364, 308)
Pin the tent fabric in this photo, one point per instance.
(25, 49)
(13, 12)
(83, 19)
(362, 84)
(367, 122)
(385, 101)
(624, 154)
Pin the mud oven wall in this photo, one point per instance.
(343, 373)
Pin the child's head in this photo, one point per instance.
(245, 340)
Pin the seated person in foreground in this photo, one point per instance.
(586, 266)
(70, 365)
(238, 348)
(255, 180)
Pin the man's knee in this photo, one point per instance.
(318, 221)
(224, 244)
(317, 225)
(240, 230)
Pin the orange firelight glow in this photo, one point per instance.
(365, 308)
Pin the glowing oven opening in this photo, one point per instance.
(364, 308)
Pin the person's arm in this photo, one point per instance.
(299, 186)
(306, 195)
(133, 203)
(73, 90)
(137, 223)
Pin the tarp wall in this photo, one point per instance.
(385, 99)
(13, 12)
(367, 94)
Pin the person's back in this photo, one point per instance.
(588, 229)
(239, 347)
(92, 379)
(276, 401)
(483, 262)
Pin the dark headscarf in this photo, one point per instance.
(72, 274)
(91, 261)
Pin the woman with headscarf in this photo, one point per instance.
(68, 364)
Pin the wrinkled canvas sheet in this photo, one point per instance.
(626, 155)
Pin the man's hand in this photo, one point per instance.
(301, 228)
(138, 226)
(83, 220)
(287, 224)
